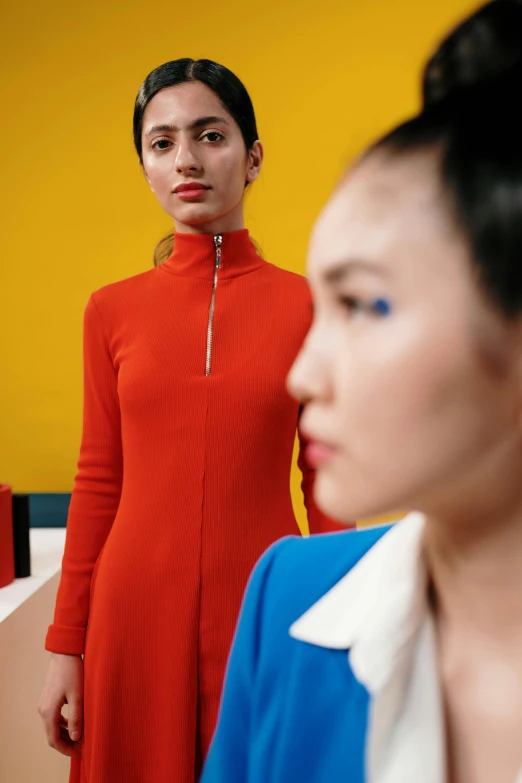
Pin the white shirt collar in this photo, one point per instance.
(376, 609)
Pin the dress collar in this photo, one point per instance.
(194, 255)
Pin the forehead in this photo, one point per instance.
(183, 103)
(386, 204)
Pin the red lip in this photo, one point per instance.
(318, 454)
(192, 187)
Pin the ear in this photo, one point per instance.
(255, 161)
(146, 175)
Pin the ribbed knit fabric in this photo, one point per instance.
(183, 482)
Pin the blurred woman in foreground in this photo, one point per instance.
(395, 656)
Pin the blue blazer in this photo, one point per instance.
(291, 711)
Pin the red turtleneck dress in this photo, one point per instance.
(183, 482)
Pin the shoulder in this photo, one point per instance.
(290, 301)
(288, 280)
(115, 301)
(118, 291)
(296, 572)
(279, 694)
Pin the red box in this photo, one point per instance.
(7, 566)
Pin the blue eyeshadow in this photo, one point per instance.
(381, 306)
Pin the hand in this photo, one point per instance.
(63, 685)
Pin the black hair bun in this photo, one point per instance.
(476, 53)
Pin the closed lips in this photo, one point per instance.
(190, 186)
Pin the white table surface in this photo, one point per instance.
(47, 546)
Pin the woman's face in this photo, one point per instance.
(410, 380)
(190, 139)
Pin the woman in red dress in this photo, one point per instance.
(183, 476)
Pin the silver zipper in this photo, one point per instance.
(218, 241)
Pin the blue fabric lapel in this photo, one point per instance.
(317, 734)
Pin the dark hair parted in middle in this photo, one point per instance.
(229, 89)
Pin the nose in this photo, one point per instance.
(187, 161)
(308, 379)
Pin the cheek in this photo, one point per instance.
(228, 174)
(394, 381)
(157, 175)
(414, 402)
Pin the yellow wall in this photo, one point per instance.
(325, 77)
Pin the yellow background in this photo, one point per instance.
(76, 213)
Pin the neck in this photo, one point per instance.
(475, 563)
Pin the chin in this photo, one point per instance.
(194, 217)
(332, 498)
(199, 212)
(347, 501)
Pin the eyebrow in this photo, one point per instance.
(199, 123)
(336, 274)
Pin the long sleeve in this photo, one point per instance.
(96, 492)
(317, 521)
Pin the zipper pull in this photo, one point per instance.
(218, 241)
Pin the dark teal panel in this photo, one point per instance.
(49, 509)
